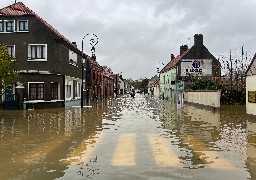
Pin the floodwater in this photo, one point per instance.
(128, 139)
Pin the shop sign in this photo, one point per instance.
(196, 66)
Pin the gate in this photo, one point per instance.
(11, 101)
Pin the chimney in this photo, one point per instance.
(94, 57)
(74, 43)
(172, 57)
(198, 40)
(183, 48)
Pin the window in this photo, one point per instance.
(36, 91)
(9, 26)
(1, 26)
(37, 52)
(75, 88)
(11, 50)
(79, 89)
(72, 58)
(23, 25)
(54, 87)
(68, 91)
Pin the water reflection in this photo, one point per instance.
(40, 143)
(251, 147)
(128, 138)
(208, 139)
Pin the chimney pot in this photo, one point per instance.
(74, 43)
(172, 57)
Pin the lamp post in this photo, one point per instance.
(82, 85)
(93, 43)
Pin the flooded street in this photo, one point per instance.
(128, 139)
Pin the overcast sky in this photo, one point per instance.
(135, 35)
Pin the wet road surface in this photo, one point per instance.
(128, 139)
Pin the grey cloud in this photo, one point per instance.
(134, 35)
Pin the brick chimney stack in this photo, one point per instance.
(198, 40)
(172, 57)
(183, 48)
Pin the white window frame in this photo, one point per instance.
(68, 82)
(29, 52)
(2, 22)
(14, 51)
(18, 26)
(5, 27)
(78, 89)
(72, 58)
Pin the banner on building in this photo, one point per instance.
(200, 67)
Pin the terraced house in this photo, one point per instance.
(196, 60)
(49, 64)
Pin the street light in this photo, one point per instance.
(82, 85)
(93, 43)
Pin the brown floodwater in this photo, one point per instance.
(128, 139)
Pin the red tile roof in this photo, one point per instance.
(157, 83)
(19, 9)
(173, 62)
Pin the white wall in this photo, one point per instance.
(157, 91)
(250, 86)
(209, 98)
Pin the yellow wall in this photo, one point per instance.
(250, 86)
(210, 98)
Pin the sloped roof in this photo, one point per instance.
(251, 70)
(156, 77)
(19, 9)
(93, 62)
(173, 62)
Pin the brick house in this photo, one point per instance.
(108, 82)
(49, 64)
(94, 79)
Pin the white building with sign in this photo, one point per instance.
(251, 88)
(200, 67)
(194, 61)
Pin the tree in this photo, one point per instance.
(8, 71)
(234, 66)
(144, 85)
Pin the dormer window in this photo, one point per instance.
(9, 26)
(23, 25)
